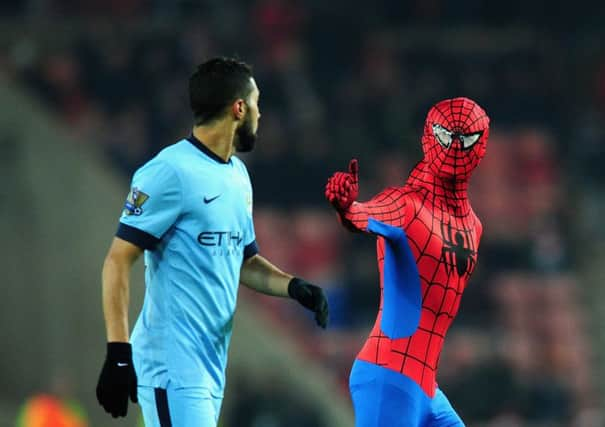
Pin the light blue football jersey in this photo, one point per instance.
(192, 213)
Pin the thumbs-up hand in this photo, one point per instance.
(342, 188)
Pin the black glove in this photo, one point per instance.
(311, 297)
(118, 380)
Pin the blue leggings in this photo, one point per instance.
(385, 398)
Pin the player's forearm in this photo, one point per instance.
(260, 275)
(355, 218)
(116, 294)
(387, 207)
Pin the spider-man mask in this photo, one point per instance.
(455, 138)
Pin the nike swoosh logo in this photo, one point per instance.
(208, 200)
(120, 364)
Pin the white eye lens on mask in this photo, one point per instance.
(444, 136)
(469, 140)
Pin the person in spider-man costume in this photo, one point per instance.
(428, 236)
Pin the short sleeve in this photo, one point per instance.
(250, 248)
(152, 206)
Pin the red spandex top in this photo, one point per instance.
(442, 232)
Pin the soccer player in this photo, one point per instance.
(428, 237)
(190, 212)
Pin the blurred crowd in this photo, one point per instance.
(339, 81)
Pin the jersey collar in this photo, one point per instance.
(200, 146)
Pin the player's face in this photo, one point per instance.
(455, 138)
(247, 132)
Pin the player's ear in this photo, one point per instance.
(239, 109)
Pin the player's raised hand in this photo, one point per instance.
(342, 188)
(118, 380)
(311, 297)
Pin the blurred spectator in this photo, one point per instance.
(270, 403)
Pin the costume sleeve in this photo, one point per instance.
(152, 206)
(386, 207)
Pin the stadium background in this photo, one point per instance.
(90, 89)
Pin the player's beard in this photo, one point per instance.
(245, 136)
